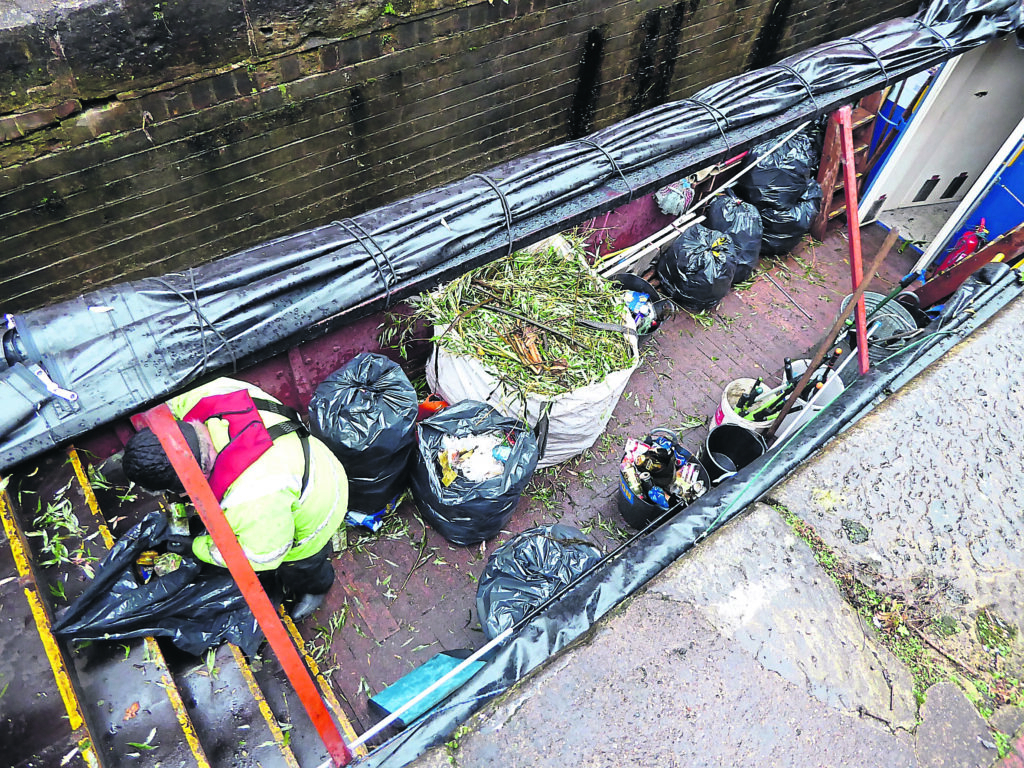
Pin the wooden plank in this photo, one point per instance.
(828, 172)
(942, 286)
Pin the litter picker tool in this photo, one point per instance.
(788, 296)
(837, 326)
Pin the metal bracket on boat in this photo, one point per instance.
(52, 387)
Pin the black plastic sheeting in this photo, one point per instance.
(197, 607)
(580, 608)
(123, 347)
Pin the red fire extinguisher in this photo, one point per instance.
(969, 242)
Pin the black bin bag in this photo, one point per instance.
(467, 512)
(742, 222)
(197, 607)
(366, 413)
(697, 270)
(783, 229)
(779, 180)
(528, 569)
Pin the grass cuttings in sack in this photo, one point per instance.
(519, 316)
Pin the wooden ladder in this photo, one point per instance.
(833, 202)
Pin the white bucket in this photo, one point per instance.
(726, 413)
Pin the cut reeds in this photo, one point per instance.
(524, 318)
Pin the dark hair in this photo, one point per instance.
(146, 464)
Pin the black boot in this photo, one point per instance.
(306, 606)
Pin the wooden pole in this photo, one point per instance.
(830, 337)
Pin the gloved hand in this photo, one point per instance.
(181, 545)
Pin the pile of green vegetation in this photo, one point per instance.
(521, 317)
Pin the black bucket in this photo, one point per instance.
(728, 448)
(637, 511)
(663, 308)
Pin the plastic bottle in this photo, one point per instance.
(178, 522)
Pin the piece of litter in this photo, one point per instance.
(472, 456)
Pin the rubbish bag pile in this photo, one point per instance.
(471, 466)
(195, 606)
(765, 213)
(528, 569)
(782, 187)
(366, 412)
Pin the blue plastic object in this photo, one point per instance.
(406, 688)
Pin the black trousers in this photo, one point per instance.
(312, 575)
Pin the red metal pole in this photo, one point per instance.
(844, 116)
(161, 421)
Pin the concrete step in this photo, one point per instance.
(136, 705)
(35, 727)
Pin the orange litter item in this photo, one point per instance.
(430, 405)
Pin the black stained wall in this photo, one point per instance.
(140, 137)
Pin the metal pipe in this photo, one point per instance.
(786, 294)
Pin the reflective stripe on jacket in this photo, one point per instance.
(274, 521)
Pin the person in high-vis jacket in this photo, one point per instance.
(283, 492)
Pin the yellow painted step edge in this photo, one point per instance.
(325, 687)
(152, 647)
(20, 552)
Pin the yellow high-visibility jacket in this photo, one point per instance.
(274, 520)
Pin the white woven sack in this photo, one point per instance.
(576, 418)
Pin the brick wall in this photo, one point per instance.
(104, 189)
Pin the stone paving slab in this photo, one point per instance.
(760, 586)
(923, 496)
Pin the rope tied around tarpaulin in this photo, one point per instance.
(719, 117)
(881, 64)
(802, 80)
(505, 207)
(362, 236)
(201, 320)
(612, 160)
(937, 35)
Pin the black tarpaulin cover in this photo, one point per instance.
(122, 347)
